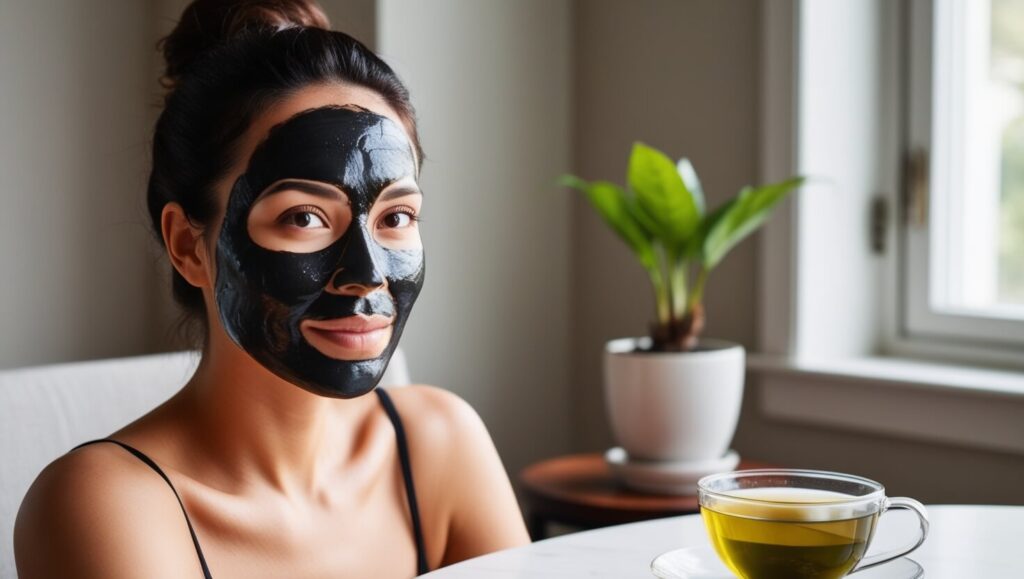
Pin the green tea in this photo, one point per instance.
(799, 542)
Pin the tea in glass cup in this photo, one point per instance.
(798, 524)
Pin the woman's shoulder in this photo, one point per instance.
(447, 439)
(436, 414)
(99, 511)
(449, 444)
(465, 481)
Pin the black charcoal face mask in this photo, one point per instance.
(264, 295)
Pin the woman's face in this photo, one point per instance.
(318, 254)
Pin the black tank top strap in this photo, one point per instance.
(151, 464)
(410, 489)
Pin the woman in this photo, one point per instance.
(284, 188)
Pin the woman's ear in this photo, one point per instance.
(185, 245)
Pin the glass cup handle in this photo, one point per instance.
(922, 517)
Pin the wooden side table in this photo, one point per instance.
(580, 490)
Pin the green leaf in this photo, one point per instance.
(740, 217)
(689, 177)
(696, 247)
(663, 196)
(642, 218)
(614, 207)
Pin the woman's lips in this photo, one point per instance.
(353, 337)
(356, 323)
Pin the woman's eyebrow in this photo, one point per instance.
(311, 187)
(398, 191)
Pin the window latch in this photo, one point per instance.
(915, 188)
(879, 224)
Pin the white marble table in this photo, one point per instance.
(965, 542)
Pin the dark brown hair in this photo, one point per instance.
(228, 61)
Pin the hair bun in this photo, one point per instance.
(206, 24)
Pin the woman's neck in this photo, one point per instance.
(260, 429)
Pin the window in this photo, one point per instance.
(963, 264)
(841, 345)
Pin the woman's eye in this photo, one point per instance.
(304, 220)
(398, 219)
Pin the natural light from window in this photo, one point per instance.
(977, 232)
(1008, 77)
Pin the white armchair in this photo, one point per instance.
(46, 410)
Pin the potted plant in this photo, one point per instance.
(673, 396)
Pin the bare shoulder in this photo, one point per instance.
(100, 512)
(435, 412)
(448, 441)
(465, 479)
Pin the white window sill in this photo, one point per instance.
(939, 403)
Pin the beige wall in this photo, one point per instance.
(74, 244)
(357, 18)
(928, 472)
(491, 82)
(682, 76)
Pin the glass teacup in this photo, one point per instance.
(798, 523)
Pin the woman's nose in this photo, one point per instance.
(357, 273)
(341, 285)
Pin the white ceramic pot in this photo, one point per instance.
(673, 406)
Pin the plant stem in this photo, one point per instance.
(677, 273)
(660, 294)
(697, 291)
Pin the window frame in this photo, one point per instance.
(901, 382)
(931, 94)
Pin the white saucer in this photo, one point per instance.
(690, 563)
(668, 478)
(703, 563)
